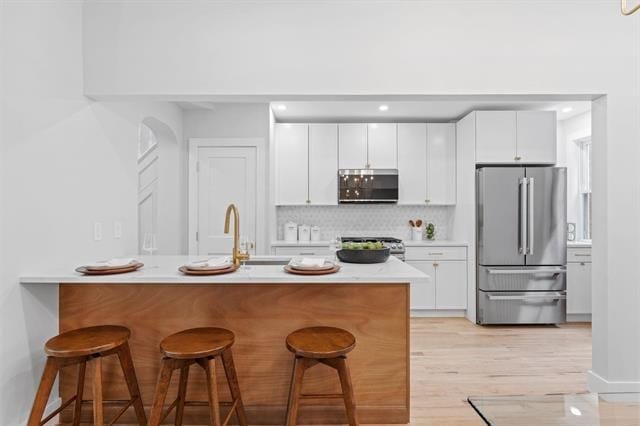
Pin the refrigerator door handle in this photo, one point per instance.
(542, 296)
(530, 217)
(526, 271)
(522, 225)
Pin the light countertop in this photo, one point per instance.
(578, 244)
(164, 270)
(435, 243)
(281, 243)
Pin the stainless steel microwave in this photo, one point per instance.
(367, 186)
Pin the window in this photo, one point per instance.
(584, 187)
(146, 140)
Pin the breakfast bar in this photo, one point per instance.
(261, 304)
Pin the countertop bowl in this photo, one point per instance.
(364, 255)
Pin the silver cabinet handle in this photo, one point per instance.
(543, 296)
(530, 217)
(582, 255)
(526, 271)
(302, 253)
(523, 215)
(436, 254)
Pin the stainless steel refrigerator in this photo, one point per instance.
(521, 245)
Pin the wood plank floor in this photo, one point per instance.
(452, 359)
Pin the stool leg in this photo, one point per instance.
(77, 406)
(161, 391)
(126, 362)
(182, 393)
(44, 390)
(98, 415)
(295, 389)
(234, 387)
(212, 387)
(347, 390)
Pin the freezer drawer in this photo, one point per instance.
(522, 307)
(537, 278)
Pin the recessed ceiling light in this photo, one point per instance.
(281, 107)
(575, 411)
(567, 109)
(383, 107)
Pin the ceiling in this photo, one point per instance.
(434, 111)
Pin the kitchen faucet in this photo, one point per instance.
(238, 256)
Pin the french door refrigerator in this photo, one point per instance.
(521, 245)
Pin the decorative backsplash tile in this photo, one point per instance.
(366, 220)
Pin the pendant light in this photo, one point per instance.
(627, 12)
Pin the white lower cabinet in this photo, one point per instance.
(578, 287)
(446, 288)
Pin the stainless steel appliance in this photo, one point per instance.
(395, 244)
(367, 186)
(521, 245)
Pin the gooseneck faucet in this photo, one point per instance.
(237, 254)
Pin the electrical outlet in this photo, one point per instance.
(117, 229)
(97, 231)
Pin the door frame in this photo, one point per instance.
(194, 144)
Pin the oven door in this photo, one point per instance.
(368, 186)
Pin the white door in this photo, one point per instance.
(225, 175)
(451, 284)
(292, 164)
(441, 163)
(412, 163)
(382, 146)
(423, 294)
(495, 137)
(352, 146)
(536, 137)
(323, 164)
(578, 288)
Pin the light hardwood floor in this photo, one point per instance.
(452, 358)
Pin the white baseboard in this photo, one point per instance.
(428, 313)
(578, 317)
(597, 384)
(51, 406)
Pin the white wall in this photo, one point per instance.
(66, 162)
(410, 47)
(569, 131)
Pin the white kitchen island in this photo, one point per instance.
(261, 304)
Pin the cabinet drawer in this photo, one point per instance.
(302, 251)
(579, 255)
(436, 253)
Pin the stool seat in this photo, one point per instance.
(321, 342)
(197, 343)
(87, 341)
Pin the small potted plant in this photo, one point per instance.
(430, 231)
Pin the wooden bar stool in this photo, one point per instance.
(197, 346)
(325, 345)
(77, 347)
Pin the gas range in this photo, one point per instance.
(395, 244)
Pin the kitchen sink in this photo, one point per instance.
(266, 262)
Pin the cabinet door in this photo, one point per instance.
(496, 137)
(323, 164)
(352, 146)
(441, 164)
(579, 288)
(382, 146)
(292, 164)
(423, 295)
(451, 284)
(536, 137)
(412, 163)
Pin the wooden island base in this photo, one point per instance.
(261, 316)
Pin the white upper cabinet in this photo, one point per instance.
(412, 163)
(536, 136)
(292, 165)
(495, 137)
(382, 146)
(323, 164)
(441, 163)
(352, 143)
(510, 137)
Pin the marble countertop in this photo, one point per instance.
(164, 270)
(435, 243)
(578, 244)
(282, 243)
